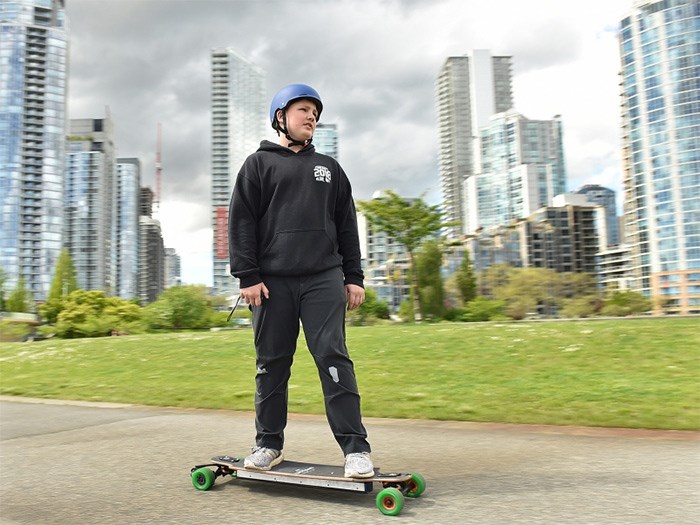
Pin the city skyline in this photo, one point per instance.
(380, 93)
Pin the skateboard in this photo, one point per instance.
(390, 500)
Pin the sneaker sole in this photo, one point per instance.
(359, 475)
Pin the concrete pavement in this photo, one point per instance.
(63, 462)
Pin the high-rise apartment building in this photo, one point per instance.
(128, 188)
(172, 268)
(238, 122)
(88, 229)
(564, 236)
(151, 272)
(33, 75)
(605, 197)
(469, 90)
(660, 94)
(326, 139)
(519, 168)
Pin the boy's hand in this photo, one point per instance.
(253, 294)
(355, 295)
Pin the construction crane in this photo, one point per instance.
(158, 170)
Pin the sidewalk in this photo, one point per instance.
(120, 464)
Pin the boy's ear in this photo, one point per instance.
(279, 115)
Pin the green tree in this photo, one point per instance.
(408, 222)
(180, 307)
(64, 278)
(625, 303)
(369, 311)
(430, 282)
(3, 280)
(20, 299)
(92, 314)
(493, 278)
(63, 283)
(483, 309)
(466, 280)
(583, 306)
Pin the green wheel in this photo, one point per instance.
(390, 501)
(416, 485)
(203, 478)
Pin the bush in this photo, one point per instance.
(91, 314)
(483, 309)
(14, 331)
(581, 307)
(454, 314)
(625, 303)
(406, 311)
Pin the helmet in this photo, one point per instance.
(291, 93)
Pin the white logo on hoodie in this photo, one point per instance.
(322, 174)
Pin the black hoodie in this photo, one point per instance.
(292, 214)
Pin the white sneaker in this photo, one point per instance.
(263, 458)
(358, 465)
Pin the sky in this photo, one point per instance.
(374, 63)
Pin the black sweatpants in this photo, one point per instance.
(319, 301)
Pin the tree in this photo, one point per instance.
(406, 221)
(430, 284)
(64, 279)
(63, 283)
(3, 280)
(466, 280)
(370, 310)
(583, 306)
(483, 309)
(20, 300)
(92, 314)
(180, 307)
(494, 277)
(626, 303)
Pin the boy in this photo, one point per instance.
(294, 245)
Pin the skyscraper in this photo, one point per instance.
(151, 275)
(469, 90)
(32, 127)
(660, 93)
(238, 123)
(519, 168)
(326, 139)
(172, 268)
(605, 197)
(88, 232)
(128, 188)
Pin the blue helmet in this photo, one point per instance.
(291, 93)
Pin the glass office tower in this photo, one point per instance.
(326, 139)
(469, 89)
(128, 188)
(660, 102)
(239, 112)
(33, 70)
(605, 197)
(89, 200)
(519, 168)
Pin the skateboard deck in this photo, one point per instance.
(390, 500)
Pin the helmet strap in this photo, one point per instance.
(292, 140)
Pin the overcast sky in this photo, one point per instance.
(374, 62)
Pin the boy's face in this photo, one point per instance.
(301, 119)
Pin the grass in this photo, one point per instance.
(635, 373)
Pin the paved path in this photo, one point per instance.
(64, 463)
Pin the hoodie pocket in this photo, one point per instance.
(299, 252)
